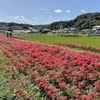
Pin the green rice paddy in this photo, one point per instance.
(48, 38)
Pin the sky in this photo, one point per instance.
(41, 12)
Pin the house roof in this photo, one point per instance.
(96, 27)
(46, 30)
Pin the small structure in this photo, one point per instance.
(65, 30)
(21, 31)
(2, 31)
(61, 27)
(46, 30)
(26, 31)
(96, 29)
(35, 31)
(86, 30)
(18, 31)
(71, 29)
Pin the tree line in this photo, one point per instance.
(84, 21)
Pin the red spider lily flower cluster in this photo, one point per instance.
(84, 47)
(58, 73)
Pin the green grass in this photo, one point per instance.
(88, 41)
(1, 55)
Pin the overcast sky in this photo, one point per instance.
(38, 12)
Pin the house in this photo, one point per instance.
(65, 30)
(46, 30)
(17, 31)
(96, 29)
(35, 31)
(26, 31)
(86, 30)
(71, 29)
(54, 31)
(2, 31)
(21, 31)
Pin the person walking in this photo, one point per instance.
(10, 34)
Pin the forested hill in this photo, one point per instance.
(13, 25)
(83, 21)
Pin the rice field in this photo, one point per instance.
(48, 38)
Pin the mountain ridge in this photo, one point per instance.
(83, 21)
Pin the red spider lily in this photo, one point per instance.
(12, 82)
(32, 74)
(22, 60)
(21, 93)
(62, 98)
(81, 84)
(97, 65)
(76, 71)
(20, 66)
(88, 97)
(51, 73)
(97, 85)
(62, 85)
(41, 82)
(51, 92)
(52, 89)
(60, 80)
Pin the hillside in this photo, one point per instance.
(87, 20)
(83, 21)
(12, 25)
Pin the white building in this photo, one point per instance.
(21, 31)
(96, 29)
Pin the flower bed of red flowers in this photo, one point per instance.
(84, 47)
(40, 72)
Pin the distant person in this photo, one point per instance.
(7, 34)
(10, 34)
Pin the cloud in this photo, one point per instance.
(83, 11)
(34, 17)
(0, 19)
(68, 11)
(58, 11)
(15, 17)
(43, 9)
(21, 18)
(18, 17)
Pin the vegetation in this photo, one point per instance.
(49, 38)
(83, 21)
(1, 55)
(33, 71)
(13, 26)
